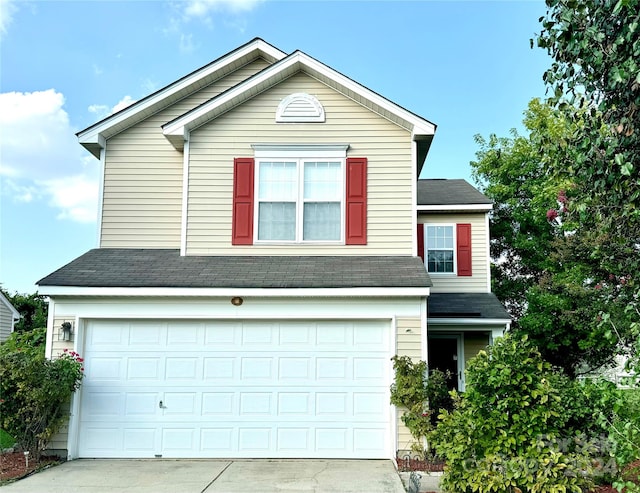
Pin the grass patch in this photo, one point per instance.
(6, 440)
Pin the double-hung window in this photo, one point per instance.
(300, 200)
(440, 248)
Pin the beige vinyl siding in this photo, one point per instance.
(474, 342)
(142, 195)
(214, 146)
(409, 343)
(478, 281)
(6, 322)
(58, 442)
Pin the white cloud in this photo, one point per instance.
(203, 11)
(40, 157)
(7, 9)
(202, 8)
(102, 110)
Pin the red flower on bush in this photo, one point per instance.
(552, 214)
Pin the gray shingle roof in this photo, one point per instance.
(124, 267)
(465, 305)
(449, 192)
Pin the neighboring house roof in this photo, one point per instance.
(177, 130)
(94, 137)
(153, 268)
(450, 195)
(466, 306)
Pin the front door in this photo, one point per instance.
(443, 356)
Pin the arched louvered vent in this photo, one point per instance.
(299, 108)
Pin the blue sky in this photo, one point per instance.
(464, 65)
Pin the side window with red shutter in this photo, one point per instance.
(442, 250)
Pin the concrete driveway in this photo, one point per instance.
(213, 476)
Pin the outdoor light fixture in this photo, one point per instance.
(66, 332)
(236, 301)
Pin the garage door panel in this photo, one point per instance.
(236, 389)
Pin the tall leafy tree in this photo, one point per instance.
(543, 267)
(595, 82)
(33, 310)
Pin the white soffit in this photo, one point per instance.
(93, 137)
(177, 131)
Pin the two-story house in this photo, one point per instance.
(260, 260)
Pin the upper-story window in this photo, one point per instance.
(440, 248)
(446, 248)
(300, 200)
(299, 193)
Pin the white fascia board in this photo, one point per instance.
(468, 321)
(455, 208)
(180, 127)
(245, 292)
(94, 134)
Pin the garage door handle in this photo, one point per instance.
(160, 405)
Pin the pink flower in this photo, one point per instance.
(598, 286)
(562, 197)
(551, 214)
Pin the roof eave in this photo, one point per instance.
(244, 292)
(455, 208)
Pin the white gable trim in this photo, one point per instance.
(92, 138)
(177, 131)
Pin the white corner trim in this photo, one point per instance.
(488, 247)
(300, 107)
(48, 352)
(185, 199)
(243, 292)
(455, 207)
(103, 154)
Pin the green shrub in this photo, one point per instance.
(420, 397)
(35, 391)
(6, 440)
(511, 430)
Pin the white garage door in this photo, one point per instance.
(236, 389)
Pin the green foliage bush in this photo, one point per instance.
(35, 391)
(421, 397)
(512, 430)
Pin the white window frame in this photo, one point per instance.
(299, 154)
(455, 248)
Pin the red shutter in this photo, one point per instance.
(421, 241)
(242, 227)
(356, 206)
(463, 236)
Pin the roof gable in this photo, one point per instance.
(93, 138)
(177, 131)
